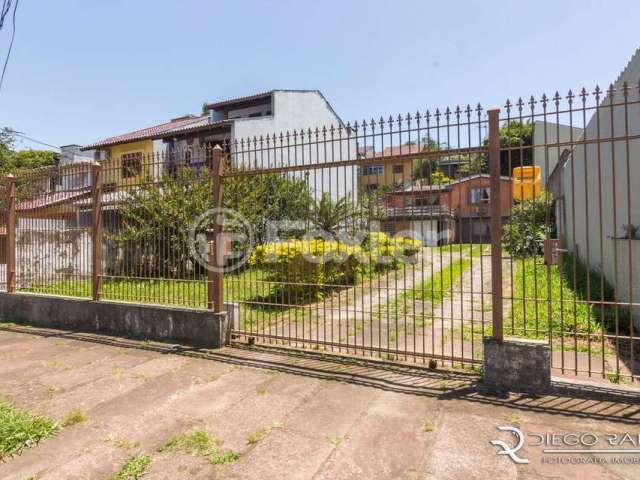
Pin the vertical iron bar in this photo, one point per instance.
(496, 222)
(96, 231)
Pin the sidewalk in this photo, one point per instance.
(318, 417)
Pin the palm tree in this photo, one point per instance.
(332, 216)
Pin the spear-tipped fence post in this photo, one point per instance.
(216, 246)
(11, 233)
(496, 223)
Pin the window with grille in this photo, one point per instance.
(131, 164)
(373, 170)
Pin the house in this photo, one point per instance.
(128, 158)
(246, 127)
(400, 172)
(54, 189)
(596, 191)
(388, 173)
(452, 212)
(238, 125)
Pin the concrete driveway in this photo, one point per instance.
(285, 414)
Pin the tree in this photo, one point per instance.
(156, 217)
(12, 161)
(265, 198)
(332, 216)
(516, 140)
(473, 165)
(371, 207)
(524, 233)
(425, 167)
(439, 178)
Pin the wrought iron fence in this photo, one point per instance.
(578, 289)
(406, 238)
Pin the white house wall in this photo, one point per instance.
(605, 182)
(301, 111)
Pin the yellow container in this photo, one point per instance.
(526, 182)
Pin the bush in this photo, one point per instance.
(311, 267)
(384, 253)
(524, 233)
(308, 266)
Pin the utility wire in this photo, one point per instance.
(22, 135)
(6, 5)
(13, 35)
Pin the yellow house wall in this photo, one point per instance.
(388, 178)
(112, 168)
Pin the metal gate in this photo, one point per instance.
(387, 251)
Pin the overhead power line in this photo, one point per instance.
(6, 6)
(22, 135)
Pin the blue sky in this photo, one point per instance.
(84, 70)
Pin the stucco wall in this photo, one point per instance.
(43, 256)
(303, 111)
(550, 133)
(605, 180)
(112, 167)
(388, 177)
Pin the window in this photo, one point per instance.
(479, 196)
(372, 187)
(131, 164)
(373, 170)
(398, 169)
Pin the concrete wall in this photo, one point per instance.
(46, 251)
(594, 220)
(196, 327)
(549, 132)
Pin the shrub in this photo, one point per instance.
(382, 252)
(524, 233)
(308, 265)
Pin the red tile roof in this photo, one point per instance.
(145, 133)
(50, 199)
(402, 150)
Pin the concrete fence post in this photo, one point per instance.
(11, 233)
(216, 246)
(96, 231)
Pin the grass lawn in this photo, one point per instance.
(246, 286)
(261, 301)
(543, 300)
(20, 430)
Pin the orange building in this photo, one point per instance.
(441, 214)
